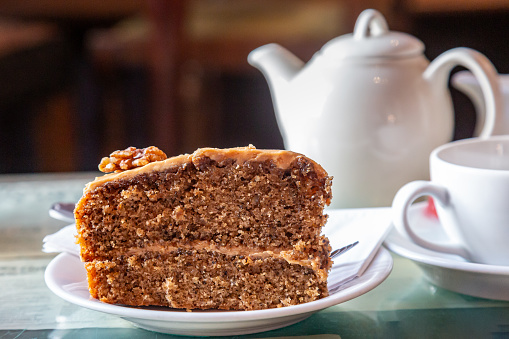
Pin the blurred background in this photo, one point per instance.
(82, 78)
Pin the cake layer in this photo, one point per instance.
(199, 279)
(253, 204)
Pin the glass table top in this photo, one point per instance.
(405, 305)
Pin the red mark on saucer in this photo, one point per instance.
(430, 210)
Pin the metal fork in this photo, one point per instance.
(342, 250)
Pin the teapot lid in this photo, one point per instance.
(372, 38)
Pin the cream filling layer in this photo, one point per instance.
(288, 256)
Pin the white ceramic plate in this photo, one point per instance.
(448, 271)
(66, 277)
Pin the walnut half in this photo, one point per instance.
(130, 158)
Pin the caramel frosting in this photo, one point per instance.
(289, 256)
(281, 158)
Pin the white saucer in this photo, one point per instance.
(448, 271)
(66, 277)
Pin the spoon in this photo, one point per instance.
(62, 211)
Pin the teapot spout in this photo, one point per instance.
(276, 63)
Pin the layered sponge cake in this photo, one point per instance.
(233, 229)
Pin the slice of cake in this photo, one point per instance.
(234, 229)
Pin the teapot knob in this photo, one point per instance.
(370, 22)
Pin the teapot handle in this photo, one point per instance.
(438, 73)
(370, 21)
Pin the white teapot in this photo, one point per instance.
(467, 83)
(369, 107)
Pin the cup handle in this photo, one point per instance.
(484, 72)
(402, 202)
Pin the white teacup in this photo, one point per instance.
(470, 187)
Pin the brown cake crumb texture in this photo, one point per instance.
(208, 232)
